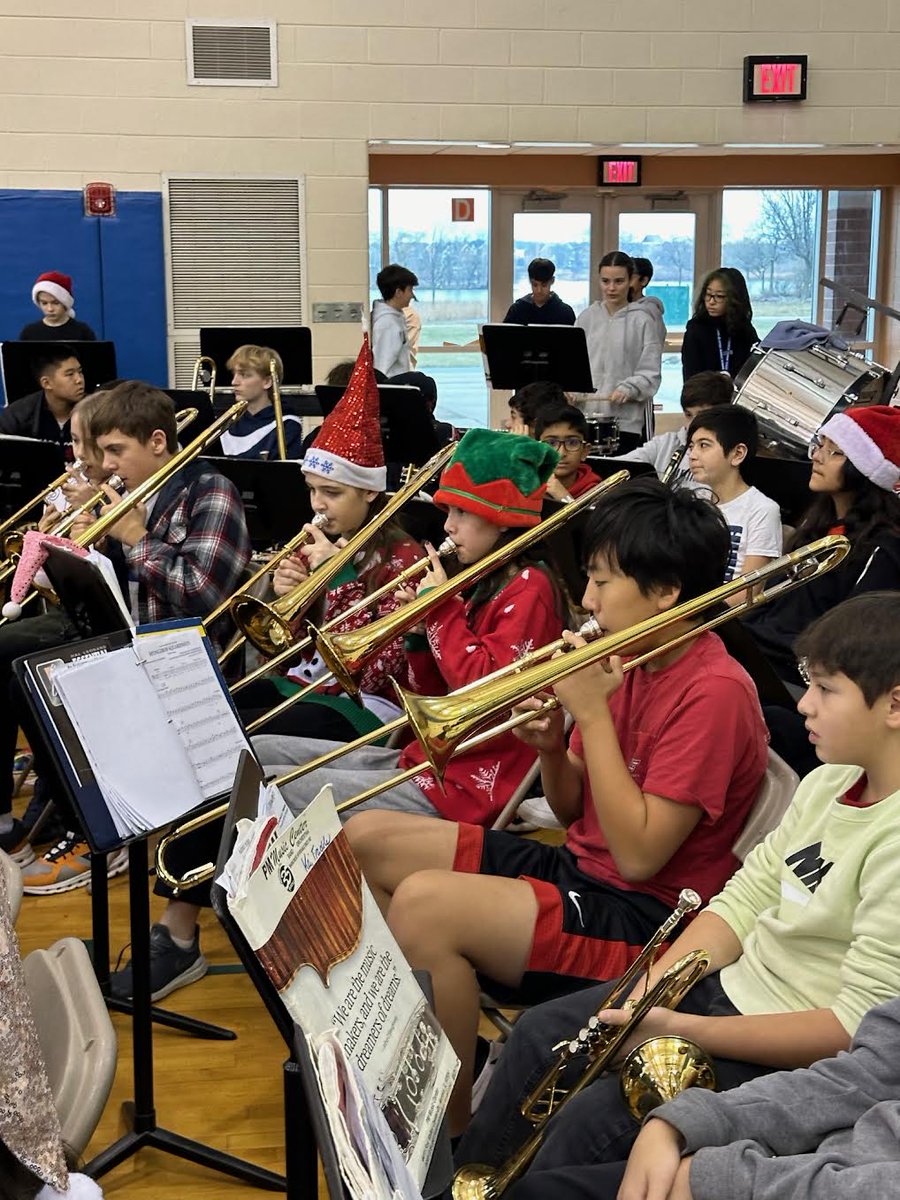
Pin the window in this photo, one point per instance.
(563, 237)
(851, 242)
(772, 236)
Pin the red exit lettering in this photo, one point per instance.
(777, 79)
(622, 171)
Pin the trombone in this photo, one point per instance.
(268, 625)
(183, 418)
(448, 725)
(279, 411)
(10, 523)
(346, 654)
(204, 361)
(99, 528)
(447, 546)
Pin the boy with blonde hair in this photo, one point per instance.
(255, 434)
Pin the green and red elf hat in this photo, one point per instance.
(501, 477)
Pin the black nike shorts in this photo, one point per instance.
(585, 930)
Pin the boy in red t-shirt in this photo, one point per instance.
(661, 772)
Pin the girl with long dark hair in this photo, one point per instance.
(720, 334)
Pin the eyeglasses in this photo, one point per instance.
(570, 443)
(817, 442)
(716, 296)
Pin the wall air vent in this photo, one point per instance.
(232, 53)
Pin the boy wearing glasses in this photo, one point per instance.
(565, 429)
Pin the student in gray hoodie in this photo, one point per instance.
(625, 351)
(390, 342)
(827, 1132)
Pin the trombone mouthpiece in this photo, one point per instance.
(446, 547)
(319, 520)
(590, 629)
(115, 483)
(688, 900)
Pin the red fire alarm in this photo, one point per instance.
(99, 200)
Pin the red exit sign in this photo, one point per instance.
(619, 172)
(774, 77)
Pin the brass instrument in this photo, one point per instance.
(8, 527)
(448, 725)
(204, 361)
(278, 410)
(268, 625)
(601, 1043)
(100, 527)
(447, 546)
(346, 654)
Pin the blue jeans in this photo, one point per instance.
(595, 1129)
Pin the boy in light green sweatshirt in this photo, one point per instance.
(802, 940)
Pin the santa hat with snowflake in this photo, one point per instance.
(29, 569)
(348, 447)
(55, 284)
(870, 438)
(499, 476)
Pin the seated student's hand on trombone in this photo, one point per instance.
(77, 489)
(319, 547)
(289, 573)
(546, 733)
(132, 526)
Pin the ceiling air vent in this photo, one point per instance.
(232, 53)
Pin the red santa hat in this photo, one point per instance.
(29, 568)
(348, 447)
(54, 283)
(870, 438)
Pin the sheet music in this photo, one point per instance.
(190, 692)
(137, 757)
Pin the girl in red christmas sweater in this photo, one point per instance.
(492, 488)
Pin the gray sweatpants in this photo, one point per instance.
(349, 775)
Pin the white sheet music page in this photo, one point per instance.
(136, 755)
(191, 693)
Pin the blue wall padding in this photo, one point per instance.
(116, 264)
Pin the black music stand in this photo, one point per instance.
(522, 354)
(17, 359)
(26, 467)
(293, 344)
(274, 495)
(96, 822)
(306, 1125)
(408, 433)
(187, 398)
(84, 594)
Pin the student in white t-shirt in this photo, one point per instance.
(667, 452)
(721, 442)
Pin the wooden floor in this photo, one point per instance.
(226, 1094)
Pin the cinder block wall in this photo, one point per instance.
(96, 89)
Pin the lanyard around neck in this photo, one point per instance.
(724, 352)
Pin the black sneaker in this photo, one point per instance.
(15, 843)
(170, 967)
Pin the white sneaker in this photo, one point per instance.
(536, 812)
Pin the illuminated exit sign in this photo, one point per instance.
(619, 172)
(769, 78)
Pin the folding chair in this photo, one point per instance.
(76, 1034)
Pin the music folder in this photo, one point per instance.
(141, 728)
(522, 354)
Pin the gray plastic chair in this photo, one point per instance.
(76, 1035)
(13, 876)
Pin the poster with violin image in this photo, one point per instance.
(310, 918)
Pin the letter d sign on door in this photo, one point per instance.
(462, 208)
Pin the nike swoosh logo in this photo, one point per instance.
(575, 897)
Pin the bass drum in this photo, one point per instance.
(792, 393)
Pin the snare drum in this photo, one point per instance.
(792, 393)
(603, 435)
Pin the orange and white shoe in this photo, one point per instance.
(66, 867)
